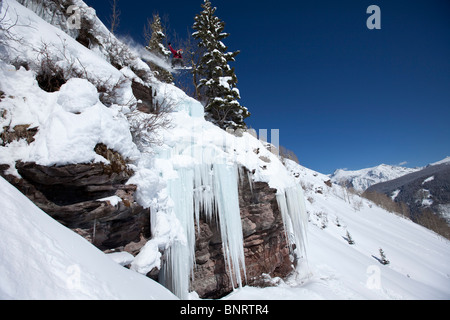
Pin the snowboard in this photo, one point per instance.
(182, 68)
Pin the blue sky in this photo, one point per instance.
(342, 96)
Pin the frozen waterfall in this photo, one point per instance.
(292, 206)
(202, 167)
(211, 189)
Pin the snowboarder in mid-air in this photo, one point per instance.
(177, 59)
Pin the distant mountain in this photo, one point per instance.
(362, 179)
(428, 188)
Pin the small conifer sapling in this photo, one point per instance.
(383, 259)
(349, 238)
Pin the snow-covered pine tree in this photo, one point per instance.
(155, 36)
(217, 80)
(383, 259)
(349, 238)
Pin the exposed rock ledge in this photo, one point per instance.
(71, 193)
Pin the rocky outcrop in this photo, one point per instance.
(265, 247)
(70, 194)
(144, 95)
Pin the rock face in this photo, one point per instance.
(144, 95)
(265, 246)
(71, 193)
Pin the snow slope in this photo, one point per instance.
(419, 259)
(41, 259)
(362, 179)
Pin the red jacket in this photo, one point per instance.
(176, 54)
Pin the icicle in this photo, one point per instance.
(210, 187)
(93, 231)
(226, 194)
(176, 269)
(250, 181)
(293, 212)
(203, 193)
(242, 173)
(180, 257)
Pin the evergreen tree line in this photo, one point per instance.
(214, 81)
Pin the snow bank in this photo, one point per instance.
(71, 122)
(77, 95)
(41, 259)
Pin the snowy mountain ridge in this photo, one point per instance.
(362, 179)
(446, 160)
(196, 162)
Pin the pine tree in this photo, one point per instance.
(349, 238)
(383, 259)
(217, 80)
(155, 38)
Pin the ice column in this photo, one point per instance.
(226, 194)
(180, 256)
(292, 206)
(211, 189)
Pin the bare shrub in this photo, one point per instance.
(145, 127)
(322, 219)
(114, 18)
(6, 25)
(55, 66)
(288, 154)
(357, 204)
(306, 186)
(17, 133)
(50, 76)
